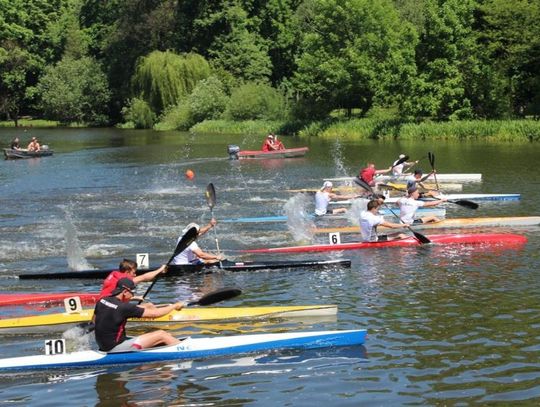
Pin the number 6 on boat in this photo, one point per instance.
(335, 238)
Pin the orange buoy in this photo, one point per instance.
(190, 174)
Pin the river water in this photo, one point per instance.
(446, 325)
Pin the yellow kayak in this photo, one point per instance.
(64, 320)
(452, 223)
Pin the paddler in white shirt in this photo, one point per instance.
(323, 198)
(193, 253)
(417, 179)
(398, 169)
(369, 220)
(410, 203)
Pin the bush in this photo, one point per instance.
(208, 100)
(177, 117)
(138, 112)
(253, 101)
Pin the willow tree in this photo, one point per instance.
(163, 78)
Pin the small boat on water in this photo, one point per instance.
(11, 154)
(403, 177)
(190, 348)
(236, 154)
(455, 197)
(392, 186)
(499, 239)
(64, 320)
(182, 269)
(508, 221)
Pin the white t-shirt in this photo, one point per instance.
(321, 202)
(368, 226)
(398, 169)
(408, 207)
(187, 256)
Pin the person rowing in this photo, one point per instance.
(417, 179)
(398, 168)
(369, 220)
(127, 269)
(323, 198)
(34, 145)
(193, 254)
(410, 203)
(366, 176)
(112, 312)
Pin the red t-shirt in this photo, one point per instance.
(367, 175)
(267, 146)
(109, 284)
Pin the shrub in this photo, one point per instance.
(253, 101)
(138, 112)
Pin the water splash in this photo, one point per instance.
(357, 207)
(74, 253)
(337, 154)
(299, 221)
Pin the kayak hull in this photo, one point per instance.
(473, 197)
(403, 177)
(191, 348)
(509, 221)
(286, 153)
(178, 270)
(48, 322)
(478, 238)
(40, 298)
(11, 154)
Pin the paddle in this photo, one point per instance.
(400, 161)
(431, 159)
(211, 200)
(420, 237)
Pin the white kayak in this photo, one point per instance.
(189, 348)
(403, 177)
(469, 197)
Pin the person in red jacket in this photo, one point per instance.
(368, 173)
(127, 269)
(268, 144)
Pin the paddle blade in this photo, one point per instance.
(420, 237)
(211, 195)
(363, 184)
(189, 237)
(217, 296)
(431, 158)
(465, 203)
(400, 161)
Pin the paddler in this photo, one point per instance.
(193, 253)
(269, 144)
(417, 179)
(398, 169)
(369, 220)
(128, 269)
(112, 312)
(410, 203)
(367, 174)
(323, 198)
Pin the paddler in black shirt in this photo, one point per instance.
(111, 314)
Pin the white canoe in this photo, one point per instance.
(403, 177)
(469, 197)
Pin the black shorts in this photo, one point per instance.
(417, 222)
(382, 238)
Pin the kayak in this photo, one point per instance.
(64, 320)
(191, 348)
(451, 223)
(178, 270)
(390, 185)
(403, 177)
(50, 298)
(439, 212)
(10, 153)
(477, 238)
(235, 153)
(474, 197)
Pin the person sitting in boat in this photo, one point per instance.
(323, 198)
(127, 269)
(410, 203)
(193, 254)
(15, 144)
(367, 174)
(398, 169)
(369, 220)
(417, 179)
(34, 145)
(268, 144)
(277, 143)
(112, 312)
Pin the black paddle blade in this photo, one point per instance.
(420, 237)
(189, 237)
(363, 184)
(465, 203)
(400, 161)
(431, 158)
(211, 195)
(217, 296)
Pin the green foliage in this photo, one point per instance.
(253, 101)
(176, 117)
(74, 90)
(256, 128)
(208, 100)
(138, 113)
(163, 78)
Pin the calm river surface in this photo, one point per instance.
(446, 326)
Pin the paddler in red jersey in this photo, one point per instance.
(367, 174)
(269, 144)
(127, 269)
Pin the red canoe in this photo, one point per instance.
(39, 298)
(477, 238)
(286, 153)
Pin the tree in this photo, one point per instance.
(74, 90)
(353, 53)
(163, 78)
